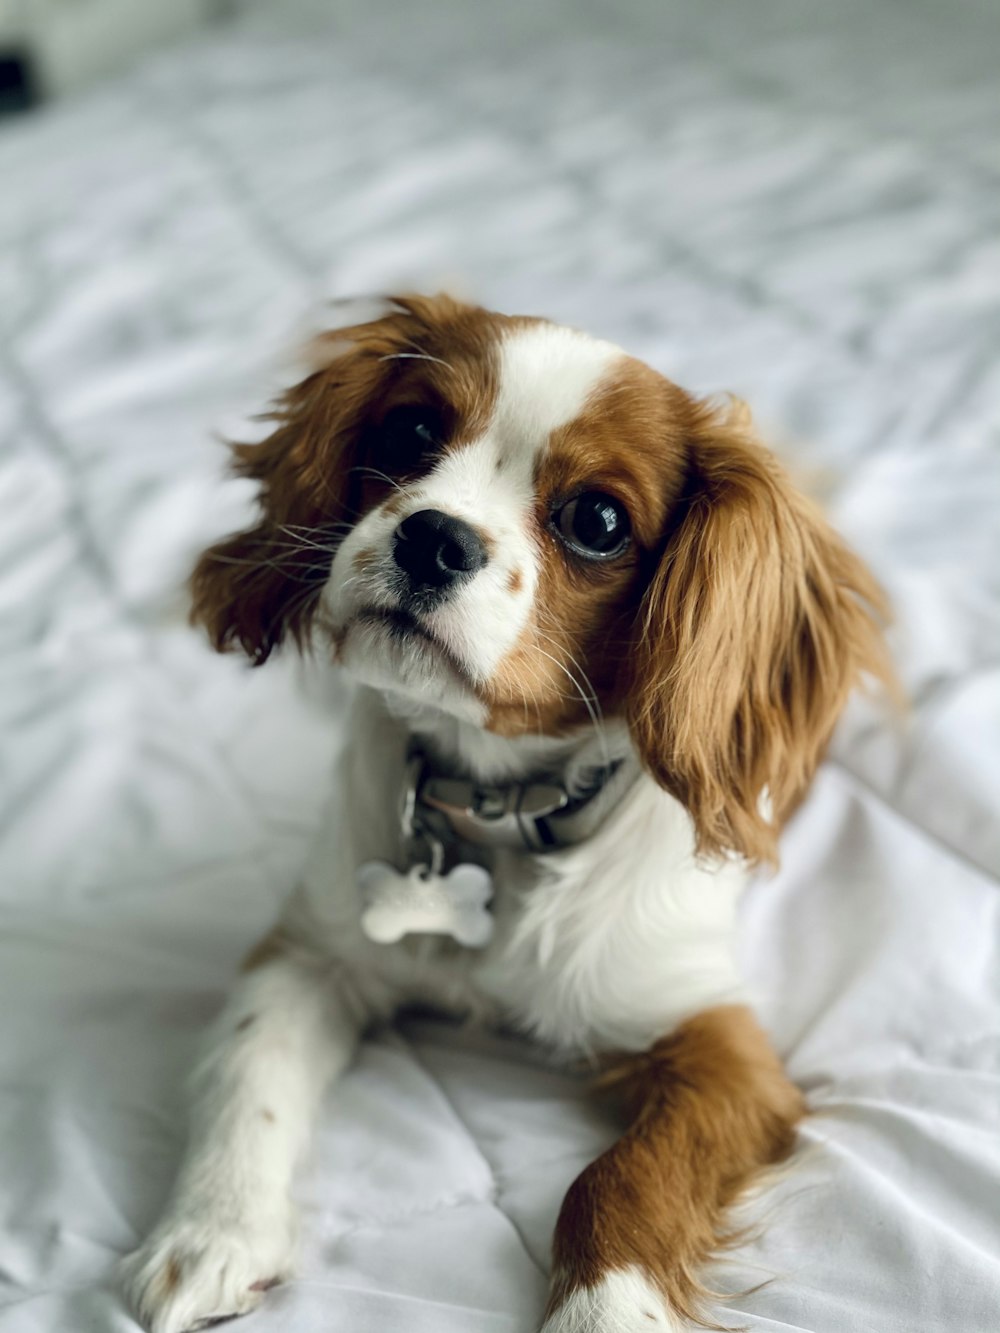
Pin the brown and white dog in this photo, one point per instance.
(601, 643)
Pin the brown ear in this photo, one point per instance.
(259, 586)
(246, 592)
(755, 627)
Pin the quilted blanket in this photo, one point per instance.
(793, 200)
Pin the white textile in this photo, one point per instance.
(793, 200)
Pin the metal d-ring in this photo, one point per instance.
(424, 852)
(412, 774)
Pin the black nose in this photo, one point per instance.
(435, 550)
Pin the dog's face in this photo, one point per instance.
(514, 491)
(520, 525)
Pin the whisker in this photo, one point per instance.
(412, 342)
(596, 715)
(414, 356)
(311, 529)
(304, 543)
(382, 476)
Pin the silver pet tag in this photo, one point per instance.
(422, 902)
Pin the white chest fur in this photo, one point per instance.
(603, 946)
(617, 940)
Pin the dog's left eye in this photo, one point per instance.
(593, 525)
(407, 433)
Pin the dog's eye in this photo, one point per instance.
(407, 433)
(593, 525)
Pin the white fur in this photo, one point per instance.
(622, 937)
(547, 375)
(624, 1301)
(604, 946)
(229, 1228)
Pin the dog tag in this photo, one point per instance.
(419, 902)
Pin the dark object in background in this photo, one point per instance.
(18, 86)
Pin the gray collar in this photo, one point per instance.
(440, 811)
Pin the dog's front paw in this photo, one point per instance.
(194, 1270)
(623, 1301)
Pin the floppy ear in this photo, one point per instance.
(255, 588)
(246, 593)
(756, 625)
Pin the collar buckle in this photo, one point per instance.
(537, 817)
(493, 816)
(490, 803)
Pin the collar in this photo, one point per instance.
(440, 810)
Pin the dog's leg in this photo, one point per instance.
(712, 1106)
(228, 1232)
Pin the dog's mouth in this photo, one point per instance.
(402, 627)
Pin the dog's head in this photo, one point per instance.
(518, 524)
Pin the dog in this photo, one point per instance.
(600, 643)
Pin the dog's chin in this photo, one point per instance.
(390, 651)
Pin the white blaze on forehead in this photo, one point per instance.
(547, 375)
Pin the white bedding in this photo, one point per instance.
(797, 201)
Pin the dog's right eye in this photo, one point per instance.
(405, 435)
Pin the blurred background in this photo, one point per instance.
(793, 200)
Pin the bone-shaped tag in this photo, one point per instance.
(419, 902)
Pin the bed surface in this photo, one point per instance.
(798, 202)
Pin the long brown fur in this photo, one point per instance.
(252, 588)
(756, 626)
(711, 1106)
